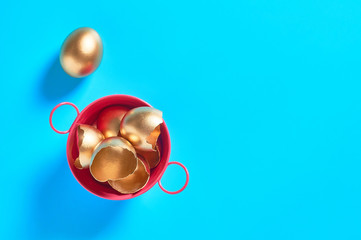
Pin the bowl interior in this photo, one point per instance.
(89, 116)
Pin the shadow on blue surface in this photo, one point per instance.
(61, 208)
(56, 83)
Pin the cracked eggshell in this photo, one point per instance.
(109, 120)
(134, 182)
(141, 127)
(88, 138)
(114, 158)
(151, 156)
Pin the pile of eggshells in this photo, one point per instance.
(121, 147)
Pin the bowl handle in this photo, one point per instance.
(184, 186)
(52, 112)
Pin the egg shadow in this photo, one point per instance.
(56, 83)
(61, 208)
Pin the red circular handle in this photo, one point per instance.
(184, 186)
(52, 112)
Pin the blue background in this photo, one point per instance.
(262, 99)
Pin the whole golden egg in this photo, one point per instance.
(81, 52)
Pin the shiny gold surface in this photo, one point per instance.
(109, 120)
(151, 156)
(88, 139)
(141, 127)
(81, 52)
(133, 182)
(113, 158)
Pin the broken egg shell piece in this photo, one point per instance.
(109, 120)
(134, 182)
(151, 156)
(114, 158)
(147, 167)
(77, 163)
(88, 138)
(141, 127)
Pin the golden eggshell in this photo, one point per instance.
(114, 158)
(151, 156)
(141, 127)
(81, 52)
(77, 163)
(134, 182)
(88, 138)
(109, 120)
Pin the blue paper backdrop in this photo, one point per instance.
(262, 99)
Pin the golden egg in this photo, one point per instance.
(114, 158)
(81, 52)
(134, 182)
(109, 120)
(141, 127)
(88, 138)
